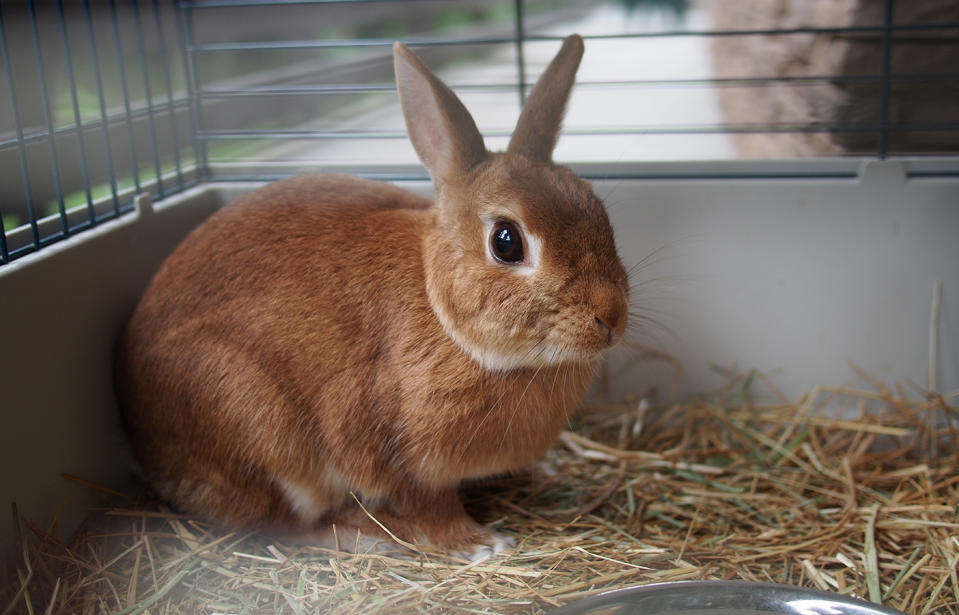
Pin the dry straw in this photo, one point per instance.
(846, 490)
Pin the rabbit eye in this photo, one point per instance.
(506, 243)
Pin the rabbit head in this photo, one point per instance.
(521, 266)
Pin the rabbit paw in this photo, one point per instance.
(492, 546)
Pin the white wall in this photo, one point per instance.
(795, 277)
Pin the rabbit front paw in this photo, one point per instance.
(497, 543)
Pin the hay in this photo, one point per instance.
(846, 490)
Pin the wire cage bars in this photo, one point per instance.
(97, 109)
(105, 99)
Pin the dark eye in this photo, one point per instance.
(506, 243)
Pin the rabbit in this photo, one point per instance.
(335, 356)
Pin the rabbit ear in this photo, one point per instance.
(538, 126)
(443, 132)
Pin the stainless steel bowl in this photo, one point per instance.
(720, 598)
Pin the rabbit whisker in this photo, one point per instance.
(644, 325)
(638, 285)
(650, 259)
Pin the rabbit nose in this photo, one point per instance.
(607, 329)
(609, 312)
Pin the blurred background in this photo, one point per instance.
(100, 99)
(782, 174)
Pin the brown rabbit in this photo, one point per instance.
(327, 341)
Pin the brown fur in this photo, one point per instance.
(291, 352)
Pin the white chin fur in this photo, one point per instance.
(496, 361)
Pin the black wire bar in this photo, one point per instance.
(148, 92)
(5, 255)
(180, 18)
(47, 117)
(168, 82)
(520, 55)
(886, 70)
(75, 104)
(203, 161)
(121, 70)
(98, 78)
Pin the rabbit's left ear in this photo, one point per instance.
(538, 126)
(443, 132)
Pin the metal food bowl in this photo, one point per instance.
(721, 598)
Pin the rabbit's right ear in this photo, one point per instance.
(443, 132)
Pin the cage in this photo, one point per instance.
(784, 176)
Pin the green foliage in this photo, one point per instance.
(88, 100)
(395, 28)
(455, 18)
(10, 222)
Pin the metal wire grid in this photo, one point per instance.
(168, 107)
(156, 108)
(882, 127)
